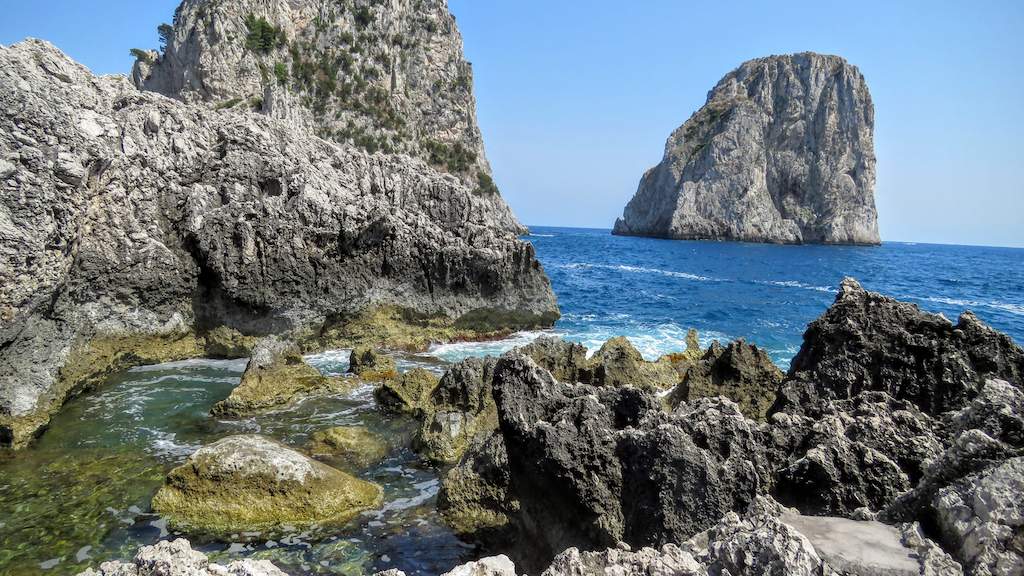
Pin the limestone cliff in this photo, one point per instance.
(781, 152)
(379, 74)
(132, 224)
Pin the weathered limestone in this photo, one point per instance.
(371, 365)
(252, 483)
(177, 558)
(408, 393)
(781, 152)
(150, 222)
(739, 371)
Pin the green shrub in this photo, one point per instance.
(141, 55)
(281, 73)
(363, 17)
(455, 158)
(263, 36)
(485, 185)
(166, 33)
(227, 104)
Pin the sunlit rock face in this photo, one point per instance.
(783, 151)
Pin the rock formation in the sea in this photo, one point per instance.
(348, 447)
(251, 483)
(177, 558)
(578, 465)
(380, 76)
(781, 152)
(131, 224)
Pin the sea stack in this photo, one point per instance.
(782, 152)
(287, 168)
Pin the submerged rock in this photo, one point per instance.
(739, 371)
(866, 341)
(251, 483)
(350, 447)
(407, 393)
(782, 151)
(177, 558)
(275, 376)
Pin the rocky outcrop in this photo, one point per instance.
(251, 483)
(782, 152)
(406, 393)
(476, 497)
(177, 558)
(132, 224)
(460, 408)
(616, 363)
(275, 376)
(592, 466)
(348, 447)
(381, 76)
(371, 365)
(739, 371)
(867, 341)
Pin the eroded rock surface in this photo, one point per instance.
(177, 558)
(348, 447)
(131, 222)
(616, 363)
(783, 151)
(739, 371)
(251, 483)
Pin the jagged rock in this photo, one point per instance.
(252, 483)
(476, 497)
(932, 559)
(275, 376)
(682, 361)
(670, 560)
(408, 393)
(371, 365)
(380, 76)
(982, 519)
(998, 410)
(782, 151)
(616, 363)
(761, 544)
(350, 447)
(221, 218)
(739, 371)
(592, 466)
(858, 453)
(224, 342)
(499, 565)
(177, 558)
(460, 408)
(866, 341)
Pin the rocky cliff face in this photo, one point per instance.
(131, 224)
(781, 152)
(381, 75)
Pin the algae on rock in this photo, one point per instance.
(251, 483)
(351, 447)
(371, 365)
(407, 393)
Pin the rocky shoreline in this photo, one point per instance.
(893, 445)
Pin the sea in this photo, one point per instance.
(81, 493)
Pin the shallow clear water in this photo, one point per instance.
(82, 492)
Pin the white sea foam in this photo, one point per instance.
(542, 235)
(1015, 309)
(795, 284)
(639, 270)
(163, 443)
(236, 365)
(455, 351)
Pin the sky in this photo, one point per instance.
(576, 98)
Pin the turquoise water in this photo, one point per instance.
(82, 492)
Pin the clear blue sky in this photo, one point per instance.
(577, 97)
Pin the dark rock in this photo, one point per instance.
(460, 408)
(739, 371)
(407, 393)
(866, 341)
(616, 363)
(371, 365)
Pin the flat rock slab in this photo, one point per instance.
(864, 548)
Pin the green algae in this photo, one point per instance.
(348, 447)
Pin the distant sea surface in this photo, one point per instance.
(652, 290)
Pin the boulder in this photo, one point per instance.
(595, 465)
(739, 371)
(476, 496)
(225, 342)
(981, 519)
(349, 447)
(407, 393)
(251, 483)
(866, 341)
(669, 560)
(177, 558)
(371, 365)
(275, 376)
(460, 408)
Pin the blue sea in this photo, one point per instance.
(653, 290)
